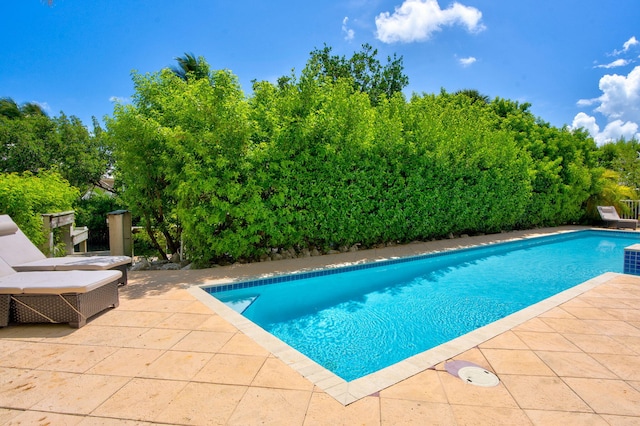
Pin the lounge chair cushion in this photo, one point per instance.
(56, 282)
(71, 263)
(8, 228)
(15, 247)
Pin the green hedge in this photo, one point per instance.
(312, 163)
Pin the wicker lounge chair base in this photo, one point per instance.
(72, 308)
(4, 309)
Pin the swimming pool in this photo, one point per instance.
(423, 292)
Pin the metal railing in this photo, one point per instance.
(632, 211)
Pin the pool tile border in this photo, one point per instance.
(530, 241)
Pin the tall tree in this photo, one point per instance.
(31, 141)
(9, 108)
(191, 67)
(363, 68)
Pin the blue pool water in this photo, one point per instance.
(359, 319)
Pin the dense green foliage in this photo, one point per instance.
(333, 157)
(623, 157)
(25, 196)
(31, 141)
(316, 161)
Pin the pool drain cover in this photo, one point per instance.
(478, 376)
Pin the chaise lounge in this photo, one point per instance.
(58, 297)
(23, 256)
(612, 220)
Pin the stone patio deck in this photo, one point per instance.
(164, 357)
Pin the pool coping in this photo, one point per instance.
(348, 392)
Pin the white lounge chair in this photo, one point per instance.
(55, 296)
(23, 256)
(611, 218)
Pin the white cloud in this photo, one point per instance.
(631, 42)
(349, 34)
(613, 131)
(465, 62)
(417, 20)
(620, 98)
(614, 64)
(626, 46)
(587, 122)
(620, 105)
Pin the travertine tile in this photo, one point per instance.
(588, 313)
(7, 414)
(400, 412)
(183, 321)
(176, 365)
(276, 374)
(549, 417)
(607, 396)
(242, 345)
(570, 364)
(217, 323)
(78, 359)
(594, 344)
(508, 340)
(124, 318)
(505, 361)
(568, 325)
(105, 421)
(607, 302)
(620, 420)
(230, 369)
(80, 394)
(627, 367)
(557, 312)
(543, 393)
(203, 341)
(425, 386)
(260, 406)
(156, 338)
(632, 342)
(44, 419)
(24, 388)
(466, 415)
(534, 324)
(613, 328)
(203, 404)
(325, 410)
(99, 335)
(141, 399)
(127, 362)
(625, 314)
(33, 355)
(198, 308)
(546, 341)
(156, 305)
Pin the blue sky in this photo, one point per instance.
(576, 62)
